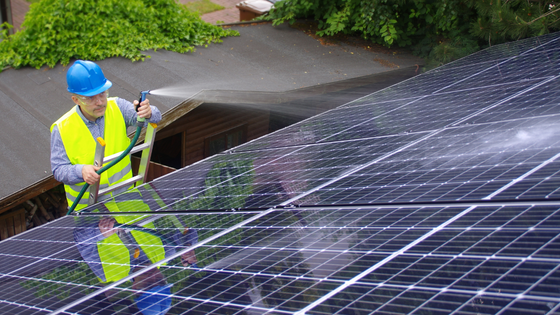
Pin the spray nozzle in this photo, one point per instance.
(142, 98)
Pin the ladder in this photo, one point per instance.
(100, 159)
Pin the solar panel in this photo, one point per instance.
(438, 195)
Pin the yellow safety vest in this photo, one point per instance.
(80, 148)
(115, 256)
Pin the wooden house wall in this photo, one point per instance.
(155, 170)
(12, 223)
(209, 120)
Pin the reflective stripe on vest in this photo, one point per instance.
(80, 149)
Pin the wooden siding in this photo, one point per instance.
(12, 223)
(210, 119)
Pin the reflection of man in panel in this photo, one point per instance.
(114, 247)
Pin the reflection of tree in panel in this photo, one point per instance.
(58, 281)
(227, 186)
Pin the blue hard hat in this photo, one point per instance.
(155, 301)
(86, 78)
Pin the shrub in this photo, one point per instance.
(58, 30)
(443, 30)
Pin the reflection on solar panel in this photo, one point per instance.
(439, 195)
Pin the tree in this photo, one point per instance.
(58, 30)
(443, 30)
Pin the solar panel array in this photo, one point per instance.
(438, 195)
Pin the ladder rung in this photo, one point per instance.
(127, 182)
(137, 148)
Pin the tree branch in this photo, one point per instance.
(544, 15)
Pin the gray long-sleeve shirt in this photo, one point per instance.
(63, 170)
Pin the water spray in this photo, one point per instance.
(139, 125)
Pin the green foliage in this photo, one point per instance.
(227, 184)
(203, 6)
(58, 30)
(446, 50)
(499, 21)
(443, 30)
(54, 282)
(383, 21)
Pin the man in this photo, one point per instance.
(95, 115)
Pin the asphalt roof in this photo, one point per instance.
(264, 58)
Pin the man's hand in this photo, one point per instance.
(106, 226)
(189, 258)
(144, 111)
(89, 174)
